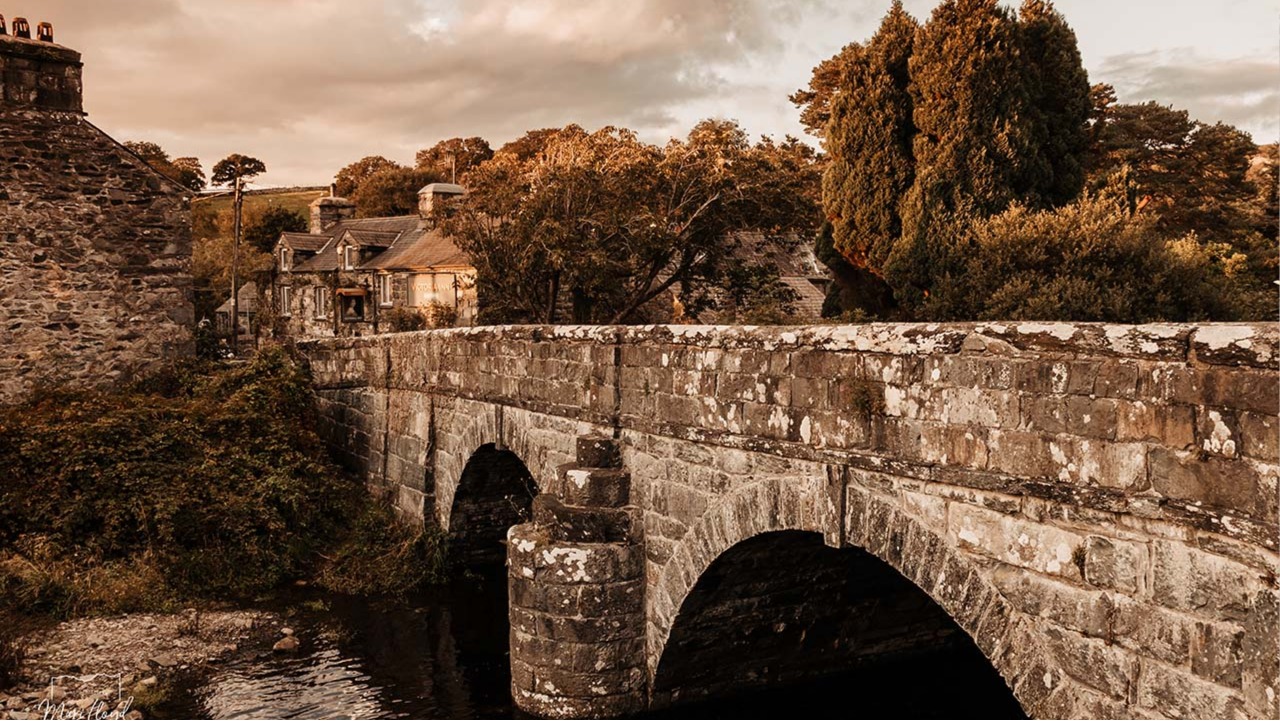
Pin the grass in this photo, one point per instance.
(295, 200)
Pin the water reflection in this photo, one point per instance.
(442, 656)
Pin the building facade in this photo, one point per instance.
(94, 243)
(353, 276)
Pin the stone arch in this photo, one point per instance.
(900, 540)
(494, 493)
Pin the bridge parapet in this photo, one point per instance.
(1115, 487)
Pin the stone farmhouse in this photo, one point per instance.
(349, 277)
(94, 243)
(353, 276)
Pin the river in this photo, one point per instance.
(444, 655)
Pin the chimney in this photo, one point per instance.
(329, 211)
(38, 73)
(429, 197)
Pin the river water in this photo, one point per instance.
(444, 655)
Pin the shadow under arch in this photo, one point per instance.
(494, 493)
(878, 527)
(783, 610)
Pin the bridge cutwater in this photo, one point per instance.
(689, 510)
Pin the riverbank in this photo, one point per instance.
(121, 666)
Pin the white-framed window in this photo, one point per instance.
(284, 259)
(286, 296)
(384, 289)
(320, 295)
(349, 255)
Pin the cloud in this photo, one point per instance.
(1241, 91)
(310, 86)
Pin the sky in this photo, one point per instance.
(311, 85)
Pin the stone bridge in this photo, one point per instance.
(1092, 509)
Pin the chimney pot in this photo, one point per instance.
(44, 31)
(21, 29)
(3, 30)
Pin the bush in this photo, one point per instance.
(210, 483)
(401, 320)
(382, 556)
(1092, 260)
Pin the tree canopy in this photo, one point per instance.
(612, 223)
(349, 178)
(185, 171)
(262, 232)
(453, 158)
(237, 166)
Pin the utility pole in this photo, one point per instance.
(235, 269)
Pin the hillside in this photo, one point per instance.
(213, 212)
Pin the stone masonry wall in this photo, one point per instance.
(1095, 505)
(94, 244)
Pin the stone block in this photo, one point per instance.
(1115, 564)
(1172, 693)
(1188, 579)
(1215, 653)
(1260, 655)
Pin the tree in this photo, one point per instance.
(1060, 95)
(828, 79)
(455, 157)
(391, 191)
(184, 171)
(980, 142)
(529, 145)
(1190, 174)
(262, 232)
(1093, 260)
(237, 166)
(869, 144)
(348, 179)
(613, 223)
(190, 173)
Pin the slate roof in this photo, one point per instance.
(408, 245)
(303, 241)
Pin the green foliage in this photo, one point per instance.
(349, 178)
(208, 483)
(615, 223)
(1093, 260)
(237, 166)
(263, 230)
(185, 171)
(13, 653)
(869, 141)
(1060, 97)
(453, 158)
(401, 319)
(391, 191)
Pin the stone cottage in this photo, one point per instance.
(353, 276)
(94, 243)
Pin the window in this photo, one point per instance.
(321, 297)
(384, 289)
(284, 259)
(349, 256)
(285, 293)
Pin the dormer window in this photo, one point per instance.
(284, 259)
(349, 256)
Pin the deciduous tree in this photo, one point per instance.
(453, 158)
(349, 178)
(613, 223)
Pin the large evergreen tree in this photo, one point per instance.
(1060, 94)
(981, 138)
(869, 144)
